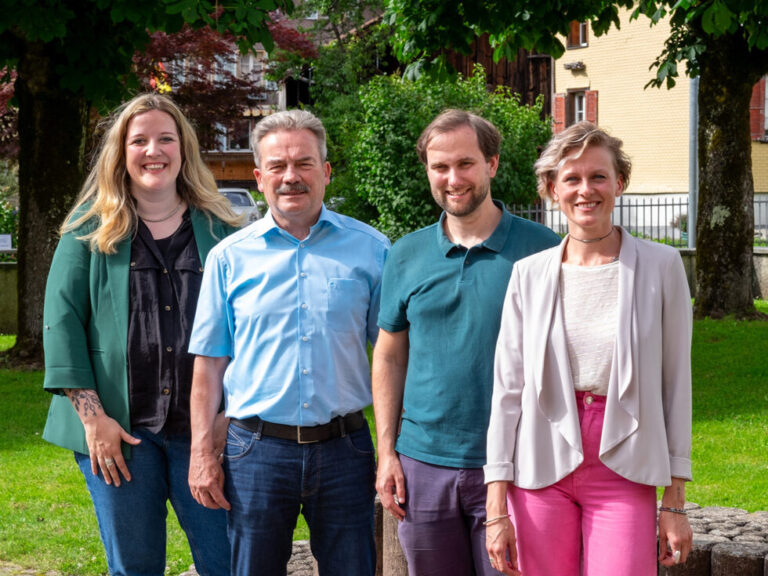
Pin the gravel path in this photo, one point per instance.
(716, 523)
(300, 565)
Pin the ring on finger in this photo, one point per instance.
(676, 556)
(110, 463)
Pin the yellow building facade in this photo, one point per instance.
(602, 79)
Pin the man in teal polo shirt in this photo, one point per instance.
(441, 300)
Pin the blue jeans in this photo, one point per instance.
(132, 517)
(269, 481)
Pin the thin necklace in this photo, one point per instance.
(592, 240)
(164, 218)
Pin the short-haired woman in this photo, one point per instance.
(591, 408)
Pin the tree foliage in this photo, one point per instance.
(425, 29)
(396, 111)
(197, 68)
(70, 55)
(725, 42)
(695, 25)
(93, 41)
(352, 48)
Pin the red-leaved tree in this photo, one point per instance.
(198, 69)
(9, 116)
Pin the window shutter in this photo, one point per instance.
(590, 97)
(573, 34)
(757, 110)
(558, 124)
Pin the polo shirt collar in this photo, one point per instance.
(495, 242)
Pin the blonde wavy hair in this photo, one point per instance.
(578, 138)
(106, 195)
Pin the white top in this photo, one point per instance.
(590, 304)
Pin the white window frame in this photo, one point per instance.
(583, 32)
(579, 106)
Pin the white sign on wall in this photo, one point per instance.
(5, 242)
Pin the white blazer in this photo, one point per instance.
(534, 437)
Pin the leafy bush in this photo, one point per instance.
(338, 73)
(386, 168)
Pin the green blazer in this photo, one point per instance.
(85, 327)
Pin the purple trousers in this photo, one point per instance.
(443, 533)
(592, 522)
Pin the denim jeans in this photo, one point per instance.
(270, 480)
(132, 517)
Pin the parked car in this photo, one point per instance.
(242, 203)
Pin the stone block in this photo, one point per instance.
(699, 560)
(742, 559)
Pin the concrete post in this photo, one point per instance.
(394, 563)
(378, 534)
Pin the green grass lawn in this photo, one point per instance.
(46, 516)
(730, 413)
(47, 520)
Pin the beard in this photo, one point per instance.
(478, 196)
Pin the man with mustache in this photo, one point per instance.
(286, 310)
(441, 302)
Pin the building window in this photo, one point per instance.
(226, 67)
(576, 107)
(178, 71)
(245, 65)
(238, 135)
(573, 107)
(577, 37)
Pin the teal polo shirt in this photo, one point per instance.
(449, 298)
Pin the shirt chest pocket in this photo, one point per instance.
(347, 304)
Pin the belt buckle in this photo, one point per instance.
(300, 441)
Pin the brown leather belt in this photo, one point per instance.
(336, 428)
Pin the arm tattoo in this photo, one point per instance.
(85, 402)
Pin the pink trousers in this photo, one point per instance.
(593, 522)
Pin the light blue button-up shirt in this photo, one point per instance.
(294, 316)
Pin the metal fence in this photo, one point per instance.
(662, 219)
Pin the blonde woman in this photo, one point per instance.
(119, 306)
(591, 407)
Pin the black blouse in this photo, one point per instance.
(164, 284)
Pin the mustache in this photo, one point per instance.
(286, 188)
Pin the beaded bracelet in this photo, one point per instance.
(493, 520)
(673, 510)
